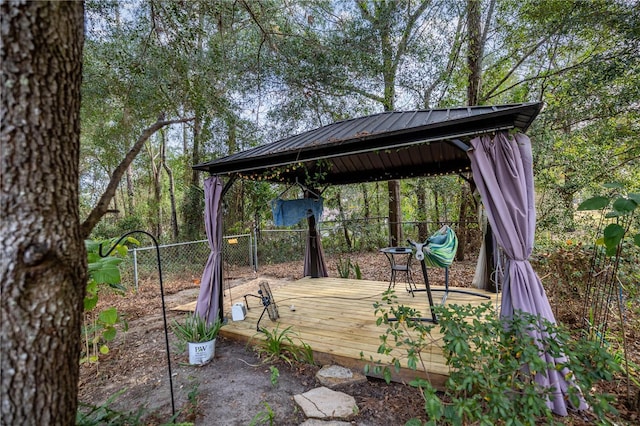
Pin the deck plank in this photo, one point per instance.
(336, 318)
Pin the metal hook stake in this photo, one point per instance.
(164, 311)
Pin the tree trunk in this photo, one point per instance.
(103, 204)
(423, 211)
(130, 192)
(44, 262)
(463, 229)
(193, 199)
(395, 213)
(474, 52)
(436, 207)
(343, 219)
(172, 192)
(155, 211)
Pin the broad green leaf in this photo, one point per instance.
(624, 205)
(108, 316)
(613, 234)
(635, 197)
(104, 349)
(595, 203)
(613, 185)
(92, 288)
(109, 334)
(92, 258)
(119, 287)
(387, 375)
(107, 273)
(92, 245)
(90, 302)
(636, 239)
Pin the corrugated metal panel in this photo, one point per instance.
(383, 146)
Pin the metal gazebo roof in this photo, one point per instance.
(384, 146)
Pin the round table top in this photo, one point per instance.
(397, 250)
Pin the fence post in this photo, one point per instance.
(135, 269)
(253, 248)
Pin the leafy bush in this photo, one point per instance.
(279, 345)
(104, 273)
(493, 363)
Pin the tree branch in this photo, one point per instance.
(103, 204)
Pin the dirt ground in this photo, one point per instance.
(237, 387)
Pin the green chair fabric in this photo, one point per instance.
(441, 247)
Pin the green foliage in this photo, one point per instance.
(266, 416)
(279, 345)
(346, 267)
(195, 329)
(191, 408)
(192, 207)
(103, 415)
(357, 271)
(622, 208)
(277, 247)
(103, 274)
(494, 363)
(275, 375)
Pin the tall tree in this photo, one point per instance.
(352, 51)
(44, 268)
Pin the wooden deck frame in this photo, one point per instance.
(336, 318)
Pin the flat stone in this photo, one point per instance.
(333, 376)
(324, 403)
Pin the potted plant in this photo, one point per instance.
(199, 335)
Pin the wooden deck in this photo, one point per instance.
(336, 318)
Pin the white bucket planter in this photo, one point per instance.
(201, 353)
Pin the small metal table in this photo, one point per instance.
(399, 261)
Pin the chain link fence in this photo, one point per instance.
(243, 254)
(181, 261)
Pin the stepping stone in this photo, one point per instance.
(317, 422)
(333, 376)
(324, 403)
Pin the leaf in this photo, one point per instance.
(613, 234)
(636, 239)
(106, 271)
(104, 349)
(635, 197)
(90, 302)
(108, 316)
(595, 203)
(387, 375)
(92, 288)
(613, 185)
(624, 205)
(109, 334)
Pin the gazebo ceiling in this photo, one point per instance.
(384, 146)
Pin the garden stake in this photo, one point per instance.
(164, 311)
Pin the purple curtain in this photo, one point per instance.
(503, 172)
(208, 305)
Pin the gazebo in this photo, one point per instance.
(487, 141)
